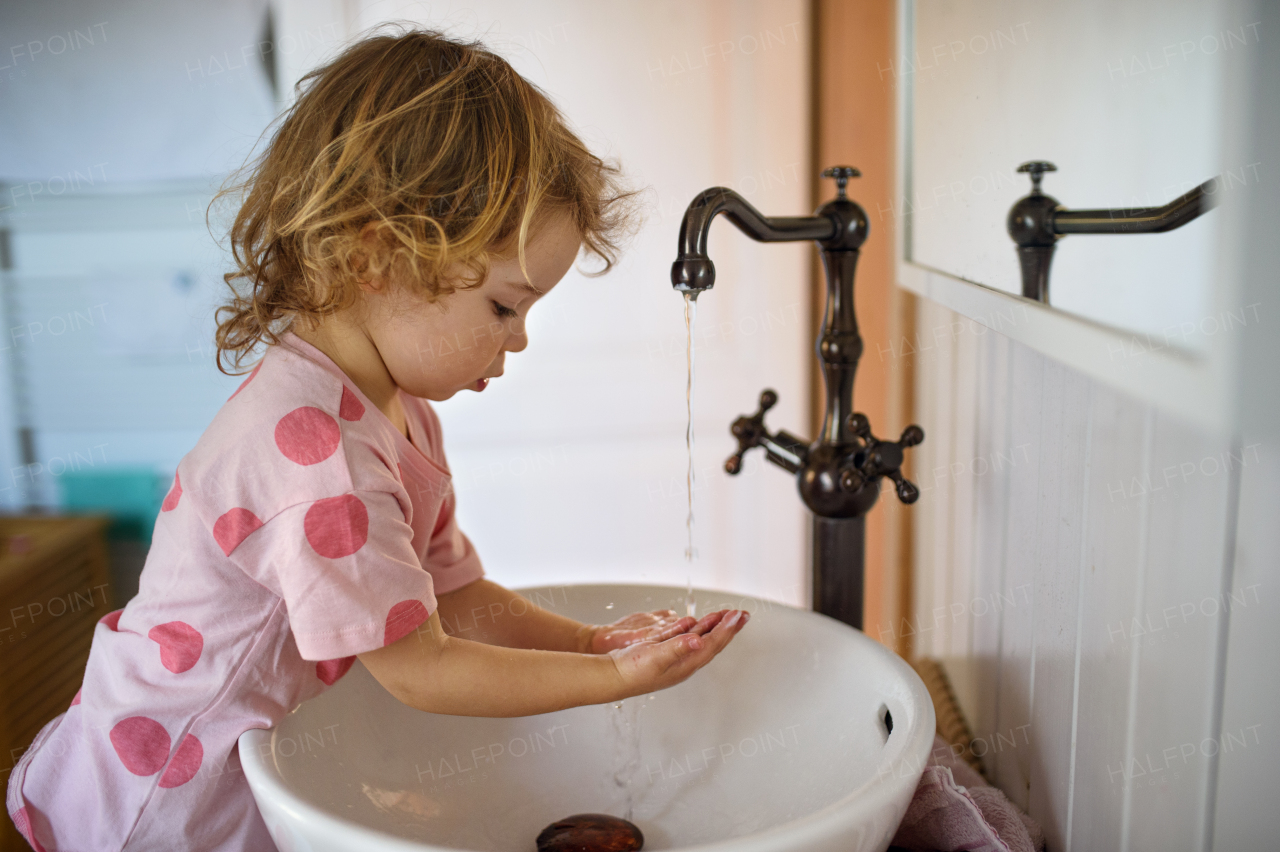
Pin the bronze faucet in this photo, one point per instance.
(839, 475)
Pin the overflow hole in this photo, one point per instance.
(886, 718)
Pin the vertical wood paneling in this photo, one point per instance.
(1064, 415)
(960, 476)
(1114, 552)
(934, 412)
(1012, 766)
(922, 529)
(1245, 813)
(1168, 767)
(1095, 532)
(944, 487)
(990, 516)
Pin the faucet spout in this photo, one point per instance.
(693, 272)
(1139, 220)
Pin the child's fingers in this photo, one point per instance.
(725, 629)
(659, 617)
(695, 650)
(670, 617)
(709, 621)
(672, 661)
(675, 651)
(684, 625)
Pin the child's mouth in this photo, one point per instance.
(480, 385)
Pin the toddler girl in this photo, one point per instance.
(414, 204)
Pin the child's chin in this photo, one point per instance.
(434, 394)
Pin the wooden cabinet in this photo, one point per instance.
(53, 590)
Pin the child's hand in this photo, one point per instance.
(656, 626)
(649, 665)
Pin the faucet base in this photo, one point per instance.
(838, 553)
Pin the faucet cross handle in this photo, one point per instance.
(750, 430)
(1036, 168)
(842, 175)
(879, 458)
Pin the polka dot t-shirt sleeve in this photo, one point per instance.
(346, 569)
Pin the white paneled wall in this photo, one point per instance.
(1073, 570)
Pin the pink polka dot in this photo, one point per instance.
(337, 526)
(350, 408)
(330, 670)
(76, 700)
(245, 383)
(185, 763)
(404, 618)
(180, 645)
(141, 743)
(175, 494)
(233, 528)
(22, 820)
(112, 620)
(307, 435)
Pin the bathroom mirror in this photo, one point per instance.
(1128, 100)
(1135, 104)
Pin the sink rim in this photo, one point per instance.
(814, 828)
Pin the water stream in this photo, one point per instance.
(625, 721)
(690, 321)
(626, 744)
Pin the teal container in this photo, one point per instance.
(131, 496)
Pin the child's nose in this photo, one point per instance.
(517, 338)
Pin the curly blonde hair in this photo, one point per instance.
(435, 147)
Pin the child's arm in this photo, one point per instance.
(437, 673)
(484, 611)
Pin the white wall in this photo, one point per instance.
(119, 119)
(110, 323)
(128, 91)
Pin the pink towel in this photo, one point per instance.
(954, 809)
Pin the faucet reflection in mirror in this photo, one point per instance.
(839, 475)
(1037, 221)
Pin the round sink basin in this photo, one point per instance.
(803, 735)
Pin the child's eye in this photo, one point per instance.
(502, 310)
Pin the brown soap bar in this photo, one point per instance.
(590, 833)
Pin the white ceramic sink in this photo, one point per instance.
(780, 743)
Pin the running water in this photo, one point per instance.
(626, 759)
(690, 320)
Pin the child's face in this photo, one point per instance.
(434, 350)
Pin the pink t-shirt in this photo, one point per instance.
(303, 529)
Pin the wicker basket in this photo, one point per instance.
(952, 726)
(53, 589)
